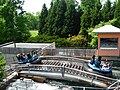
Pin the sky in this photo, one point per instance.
(34, 6)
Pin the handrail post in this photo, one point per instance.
(63, 70)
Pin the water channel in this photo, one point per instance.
(28, 84)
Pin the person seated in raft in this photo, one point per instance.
(105, 65)
(22, 56)
(93, 60)
(18, 56)
(29, 56)
(98, 62)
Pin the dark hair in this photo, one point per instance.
(99, 58)
(93, 56)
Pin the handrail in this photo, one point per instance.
(80, 72)
(62, 57)
(5, 44)
(112, 86)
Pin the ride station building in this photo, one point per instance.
(108, 41)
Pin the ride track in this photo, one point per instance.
(65, 68)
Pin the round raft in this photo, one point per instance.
(98, 70)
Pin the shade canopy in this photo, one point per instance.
(107, 29)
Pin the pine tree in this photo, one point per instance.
(43, 19)
(59, 19)
(78, 19)
(70, 19)
(106, 14)
(112, 11)
(117, 10)
(51, 18)
(87, 6)
(96, 13)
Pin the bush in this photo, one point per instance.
(2, 67)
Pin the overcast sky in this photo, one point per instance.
(34, 6)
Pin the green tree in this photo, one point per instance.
(43, 19)
(51, 18)
(59, 19)
(117, 10)
(87, 6)
(2, 66)
(106, 11)
(113, 10)
(96, 13)
(11, 12)
(32, 21)
(70, 19)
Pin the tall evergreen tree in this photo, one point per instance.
(43, 19)
(87, 6)
(59, 19)
(96, 13)
(51, 17)
(112, 12)
(70, 19)
(106, 14)
(78, 19)
(85, 22)
(117, 10)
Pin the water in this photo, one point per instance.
(28, 84)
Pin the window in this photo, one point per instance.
(108, 43)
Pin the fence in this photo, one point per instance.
(10, 53)
(70, 52)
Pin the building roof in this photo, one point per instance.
(107, 29)
(28, 45)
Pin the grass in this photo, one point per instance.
(33, 33)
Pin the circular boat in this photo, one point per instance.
(27, 60)
(98, 70)
(22, 58)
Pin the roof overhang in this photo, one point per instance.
(107, 29)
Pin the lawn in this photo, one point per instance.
(33, 33)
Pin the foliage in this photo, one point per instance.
(117, 9)
(2, 66)
(48, 39)
(66, 22)
(96, 12)
(33, 33)
(43, 19)
(63, 19)
(74, 41)
(107, 13)
(13, 22)
(87, 6)
(77, 41)
(32, 21)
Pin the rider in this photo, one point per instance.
(98, 62)
(93, 60)
(106, 64)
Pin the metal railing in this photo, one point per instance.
(71, 71)
(115, 85)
